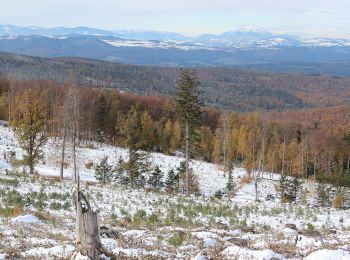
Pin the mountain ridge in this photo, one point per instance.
(231, 88)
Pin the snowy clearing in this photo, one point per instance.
(37, 216)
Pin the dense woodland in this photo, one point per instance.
(234, 89)
(306, 148)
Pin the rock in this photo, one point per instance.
(248, 230)
(238, 241)
(108, 232)
(125, 221)
(181, 234)
(220, 225)
(291, 226)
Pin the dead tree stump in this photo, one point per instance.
(87, 228)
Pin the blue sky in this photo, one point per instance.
(191, 17)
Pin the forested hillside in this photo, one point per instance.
(229, 88)
(264, 173)
(298, 143)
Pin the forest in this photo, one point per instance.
(234, 89)
(297, 143)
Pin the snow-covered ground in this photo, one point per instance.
(157, 225)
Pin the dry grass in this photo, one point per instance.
(288, 250)
(246, 179)
(11, 212)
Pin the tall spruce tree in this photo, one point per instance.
(189, 113)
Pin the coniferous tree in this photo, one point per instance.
(103, 171)
(138, 160)
(290, 188)
(137, 165)
(230, 184)
(189, 113)
(189, 179)
(155, 179)
(30, 125)
(119, 176)
(171, 181)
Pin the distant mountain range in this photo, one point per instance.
(252, 49)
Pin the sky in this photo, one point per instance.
(190, 17)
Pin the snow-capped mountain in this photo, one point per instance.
(243, 38)
(256, 49)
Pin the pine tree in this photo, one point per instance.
(119, 177)
(155, 179)
(171, 181)
(189, 113)
(189, 179)
(230, 184)
(323, 195)
(137, 165)
(30, 125)
(138, 160)
(290, 188)
(103, 171)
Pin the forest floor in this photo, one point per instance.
(37, 219)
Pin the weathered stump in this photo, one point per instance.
(87, 229)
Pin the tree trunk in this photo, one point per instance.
(187, 159)
(273, 165)
(31, 167)
(63, 152)
(256, 189)
(87, 228)
(74, 159)
(284, 152)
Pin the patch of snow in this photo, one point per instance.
(305, 242)
(26, 219)
(326, 254)
(56, 250)
(209, 242)
(199, 257)
(240, 253)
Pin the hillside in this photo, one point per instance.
(158, 225)
(236, 89)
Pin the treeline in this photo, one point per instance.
(307, 150)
